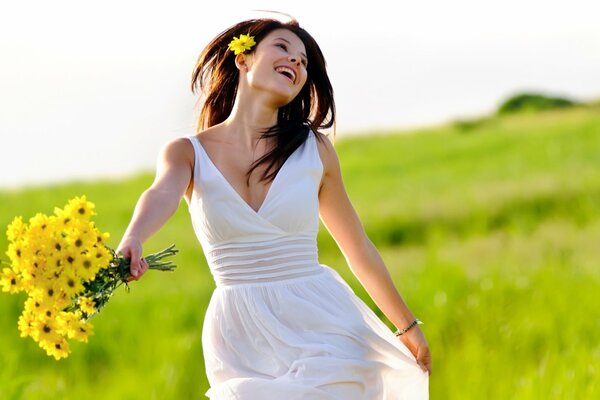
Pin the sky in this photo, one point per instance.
(94, 89)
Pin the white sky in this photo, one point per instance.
(94, 89)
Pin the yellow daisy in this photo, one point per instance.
(79, 208)
(25, 324)
(87, 305)
(55, 258)
(70, 283)
(79, 330)
(45, 330)
(241, 44)
(16, 229)
(9, 281)
(58, 347)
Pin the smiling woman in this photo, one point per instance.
(279, 323)
(285, 52)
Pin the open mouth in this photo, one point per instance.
(287, 72)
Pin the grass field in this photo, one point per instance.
(491, 231)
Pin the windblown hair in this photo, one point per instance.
(216, 78)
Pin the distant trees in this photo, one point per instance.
(533, 102)
(525, 102)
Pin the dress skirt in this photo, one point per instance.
(304, 338)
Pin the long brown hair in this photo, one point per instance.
(216, 77)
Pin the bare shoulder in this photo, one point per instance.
(178, 151)
(175, 166)
(328, 154)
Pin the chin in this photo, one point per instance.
(283, 99)
(280, 95)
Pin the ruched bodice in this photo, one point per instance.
(276, 242)
(279, 324)
(269, 260)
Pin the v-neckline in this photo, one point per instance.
(235, 192)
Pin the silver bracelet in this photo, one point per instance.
(403, 331)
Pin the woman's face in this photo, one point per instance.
(278, 66)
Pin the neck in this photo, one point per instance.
(248, 119)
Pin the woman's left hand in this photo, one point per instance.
(415, 340)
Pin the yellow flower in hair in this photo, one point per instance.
(241, 44)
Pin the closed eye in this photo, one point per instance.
(285, 48)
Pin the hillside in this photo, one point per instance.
(490, 233)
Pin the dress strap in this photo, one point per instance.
(197, 155)
(316, 156)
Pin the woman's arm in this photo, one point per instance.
(341, 220)
(159, 202)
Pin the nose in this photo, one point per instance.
(294, 60)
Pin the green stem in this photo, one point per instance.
(109, 279)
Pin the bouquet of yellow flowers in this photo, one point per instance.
(62, 263)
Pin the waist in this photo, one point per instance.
(273, 260)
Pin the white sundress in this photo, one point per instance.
(280, 325)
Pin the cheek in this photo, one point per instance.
(257, 77)
(303, 78)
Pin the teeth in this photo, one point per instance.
(288, 70)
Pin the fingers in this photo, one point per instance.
(424, 359)
(424, 367)
(134, 262)
(417, 344)
(130, 248)
(144, 266)
(138, 267)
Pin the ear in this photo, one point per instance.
(240, 62)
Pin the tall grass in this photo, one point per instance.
(491, 235)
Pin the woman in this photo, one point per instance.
(255, 177)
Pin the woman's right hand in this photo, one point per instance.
(131, 248)
(158, 202)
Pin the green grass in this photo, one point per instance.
(491, 235)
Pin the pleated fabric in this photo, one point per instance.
(281, 325)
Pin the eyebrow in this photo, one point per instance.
(288, 42)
